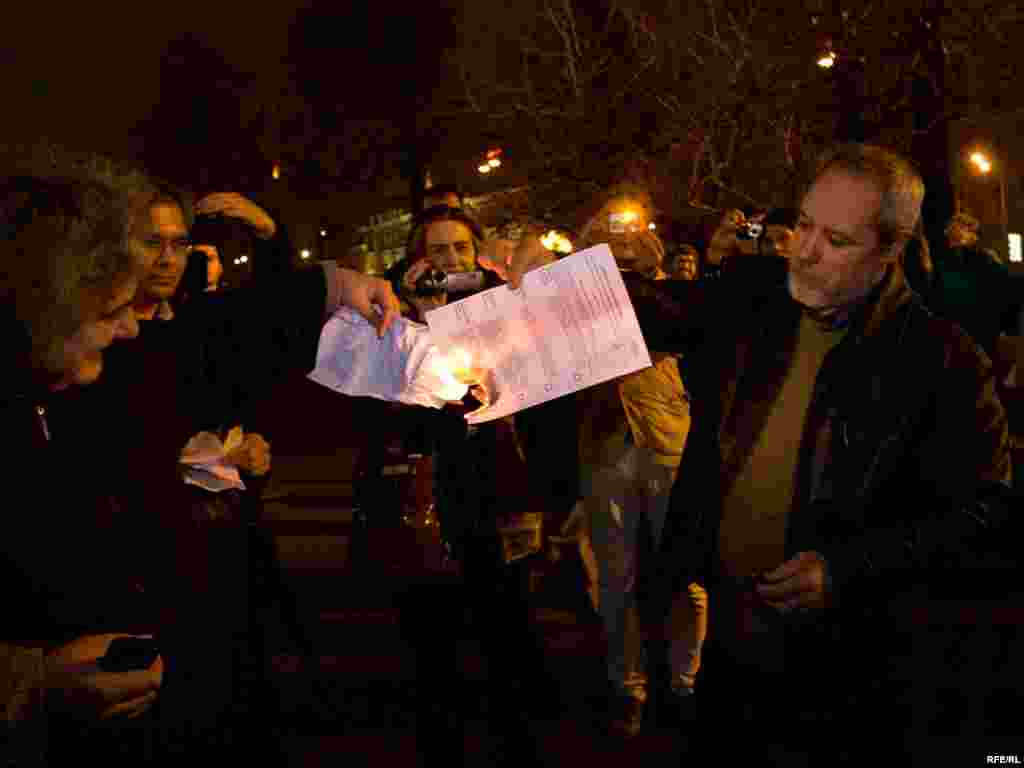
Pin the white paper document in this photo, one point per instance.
(569, 327)
(404, 366)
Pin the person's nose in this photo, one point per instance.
(806, 245)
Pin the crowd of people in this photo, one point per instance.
(821, 428)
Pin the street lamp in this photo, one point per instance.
(984, 165)
(827, 60)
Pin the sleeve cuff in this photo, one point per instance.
(331, 274)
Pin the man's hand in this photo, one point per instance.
(371, 297)
(235, 206)
(422, 304)
(510, 260)
(252, 456)
(77, 685)
(482, 386)
(798, 583)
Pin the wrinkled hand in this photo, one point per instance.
(77, 685)
(422, 304)
(511, 259)
(252, 456)
(797, 584)
(371, 297)
(482, 386)
(235, 206)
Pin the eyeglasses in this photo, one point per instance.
(178, 245)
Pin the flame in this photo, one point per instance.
(451, 370)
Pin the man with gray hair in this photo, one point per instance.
(847, 446)
(83, 550)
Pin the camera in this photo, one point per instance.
(435, 282)
(750, 230)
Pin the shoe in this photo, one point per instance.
(626, 717)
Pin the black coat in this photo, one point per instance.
(904, 420)
(94, 522)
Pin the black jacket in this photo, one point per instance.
(94, 525)
(904, 422)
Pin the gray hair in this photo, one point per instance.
(901, 185)
(65, 252)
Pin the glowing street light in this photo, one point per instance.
(981, 162)
(243, 259)
(652, 226)
(827, 60)
(323, 233)
(305, 253)
(485, 168)
(494, 162)
(275, 172)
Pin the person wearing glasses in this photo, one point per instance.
(206, 365)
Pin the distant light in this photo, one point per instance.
(323, 233)
(557, 242)
(485, 168)
(981, 162)
(243, 259)
(237, 262)
(276, 171)
(828, 60)
(494, 162)
(630, 216)
(652, 226)
(305, 253)
(1016, 250)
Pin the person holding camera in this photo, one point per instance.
(446, 243)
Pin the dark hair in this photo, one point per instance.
(786, 217)
(442, 190)
(416, 243)
(167, 194)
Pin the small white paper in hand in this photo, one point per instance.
(404, 366)
(205, 465)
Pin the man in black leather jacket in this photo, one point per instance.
(846, 445)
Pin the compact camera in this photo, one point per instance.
(750, 230)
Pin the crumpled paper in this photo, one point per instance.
(204, 457)
(404, 366)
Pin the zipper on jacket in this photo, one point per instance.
(41, 413)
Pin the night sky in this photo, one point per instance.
(93, 76)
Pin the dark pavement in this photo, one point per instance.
(354, 698)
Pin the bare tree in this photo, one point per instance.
(722, 94)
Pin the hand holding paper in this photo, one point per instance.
(207, 466)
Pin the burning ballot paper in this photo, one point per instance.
(569, 327)
(404, 366)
